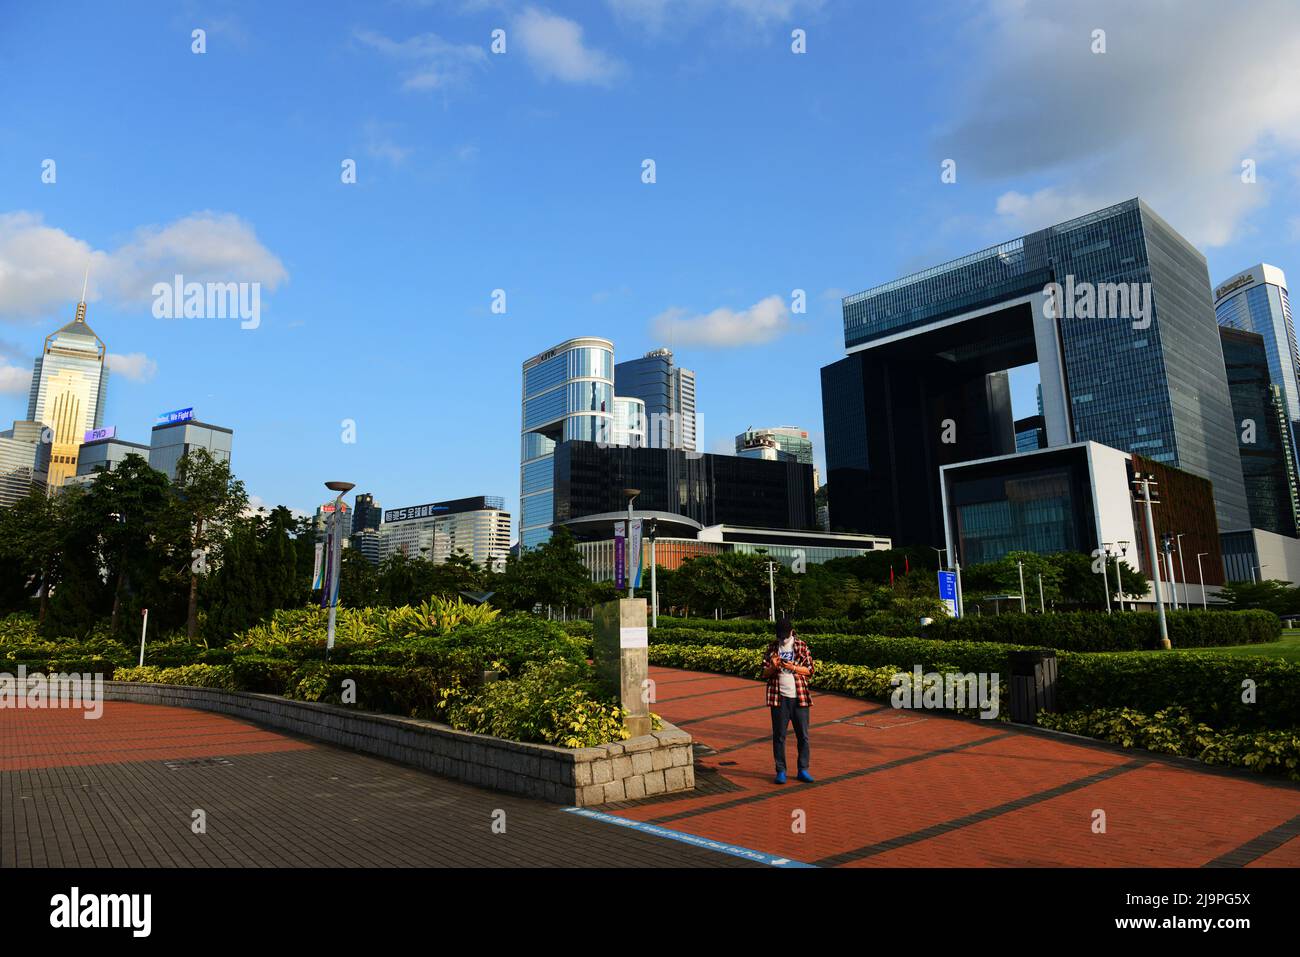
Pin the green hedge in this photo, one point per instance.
(1067, 631)
(1209, 686)
(1175, 731)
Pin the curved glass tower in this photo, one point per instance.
(568, 393)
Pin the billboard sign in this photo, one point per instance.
(177, 415)
(94, 435)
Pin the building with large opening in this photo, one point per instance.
(1114, 309)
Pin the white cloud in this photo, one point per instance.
(1169, 112)
(762, 322)
(555, 47)
(15, 380)
(42, 267)
(135, 366)
(434, 63)
(379, 145)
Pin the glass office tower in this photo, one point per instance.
(1264, 433)
(1256, 300)
(568, 394)
(668, 392)
(1143, 373)
(67, 394)
(788, 440)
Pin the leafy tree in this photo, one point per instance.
(550, 574)
(208, 499)
(1279, 597)
(126, 508)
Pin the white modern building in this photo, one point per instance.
(478, 527)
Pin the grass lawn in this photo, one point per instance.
(1288, 647)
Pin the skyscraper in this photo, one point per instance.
(790, 441)
(568, 394)
(67, 394)
(366, 513)
(171, 440)
(1128, 356)
(1263, 433)
(668, 392)
(1256, 300)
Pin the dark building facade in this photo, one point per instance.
(1263, 433)
(1128, 357)
(366, 513)
(709, 489)
(1031, 434)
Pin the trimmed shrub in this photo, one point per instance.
(1175, 731)
(1066, 631)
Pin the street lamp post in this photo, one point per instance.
(1182, 570)
(771, 586)
(1145, 482)
(1119, 577)
(1021, 566)
(336, 549)
(1105, 580)
(654, 580)
(1200, 577)
(630, 494)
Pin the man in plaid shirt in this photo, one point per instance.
(787, 666)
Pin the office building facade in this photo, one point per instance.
(589, 479)
(24, 461)
(366, 513)
(568, 395)
(103, 454)
(1077, 498)
(69, 380)
(668, 392)
(1263, 433)
(169, 442)
(629, 421)
(1256, 300)
(478, 527)
(1114, 307)
(788, 441)
(323, 517)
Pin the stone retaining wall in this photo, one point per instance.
(657, 763)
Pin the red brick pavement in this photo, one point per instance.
(912, 789)
(53, 738)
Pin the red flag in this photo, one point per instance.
(891, 576)
(907, 566)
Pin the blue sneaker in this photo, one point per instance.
(805, 777)
(780, 777)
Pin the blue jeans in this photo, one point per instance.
(784, 714)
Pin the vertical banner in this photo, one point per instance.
(948, 591)
(327, 584)
(318, 571)
(618, 555)
(634, 548)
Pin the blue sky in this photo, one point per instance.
(522, 171)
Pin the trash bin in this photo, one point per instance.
(1033, 684)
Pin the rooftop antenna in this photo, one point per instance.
(81, 304)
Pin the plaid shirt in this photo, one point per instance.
(802, 656)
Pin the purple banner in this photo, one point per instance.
(619, 555)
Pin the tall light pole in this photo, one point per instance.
(1182, 569)
(336, 549)
(1145, 482)
(771, 586)
(654, 580)
(1200, 577)
(1119, 575)
(1168, 543)
(630, 494)
(1105, 580)
(1021, 565)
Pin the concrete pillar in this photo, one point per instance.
(622, 659)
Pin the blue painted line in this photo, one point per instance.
(722, 847)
